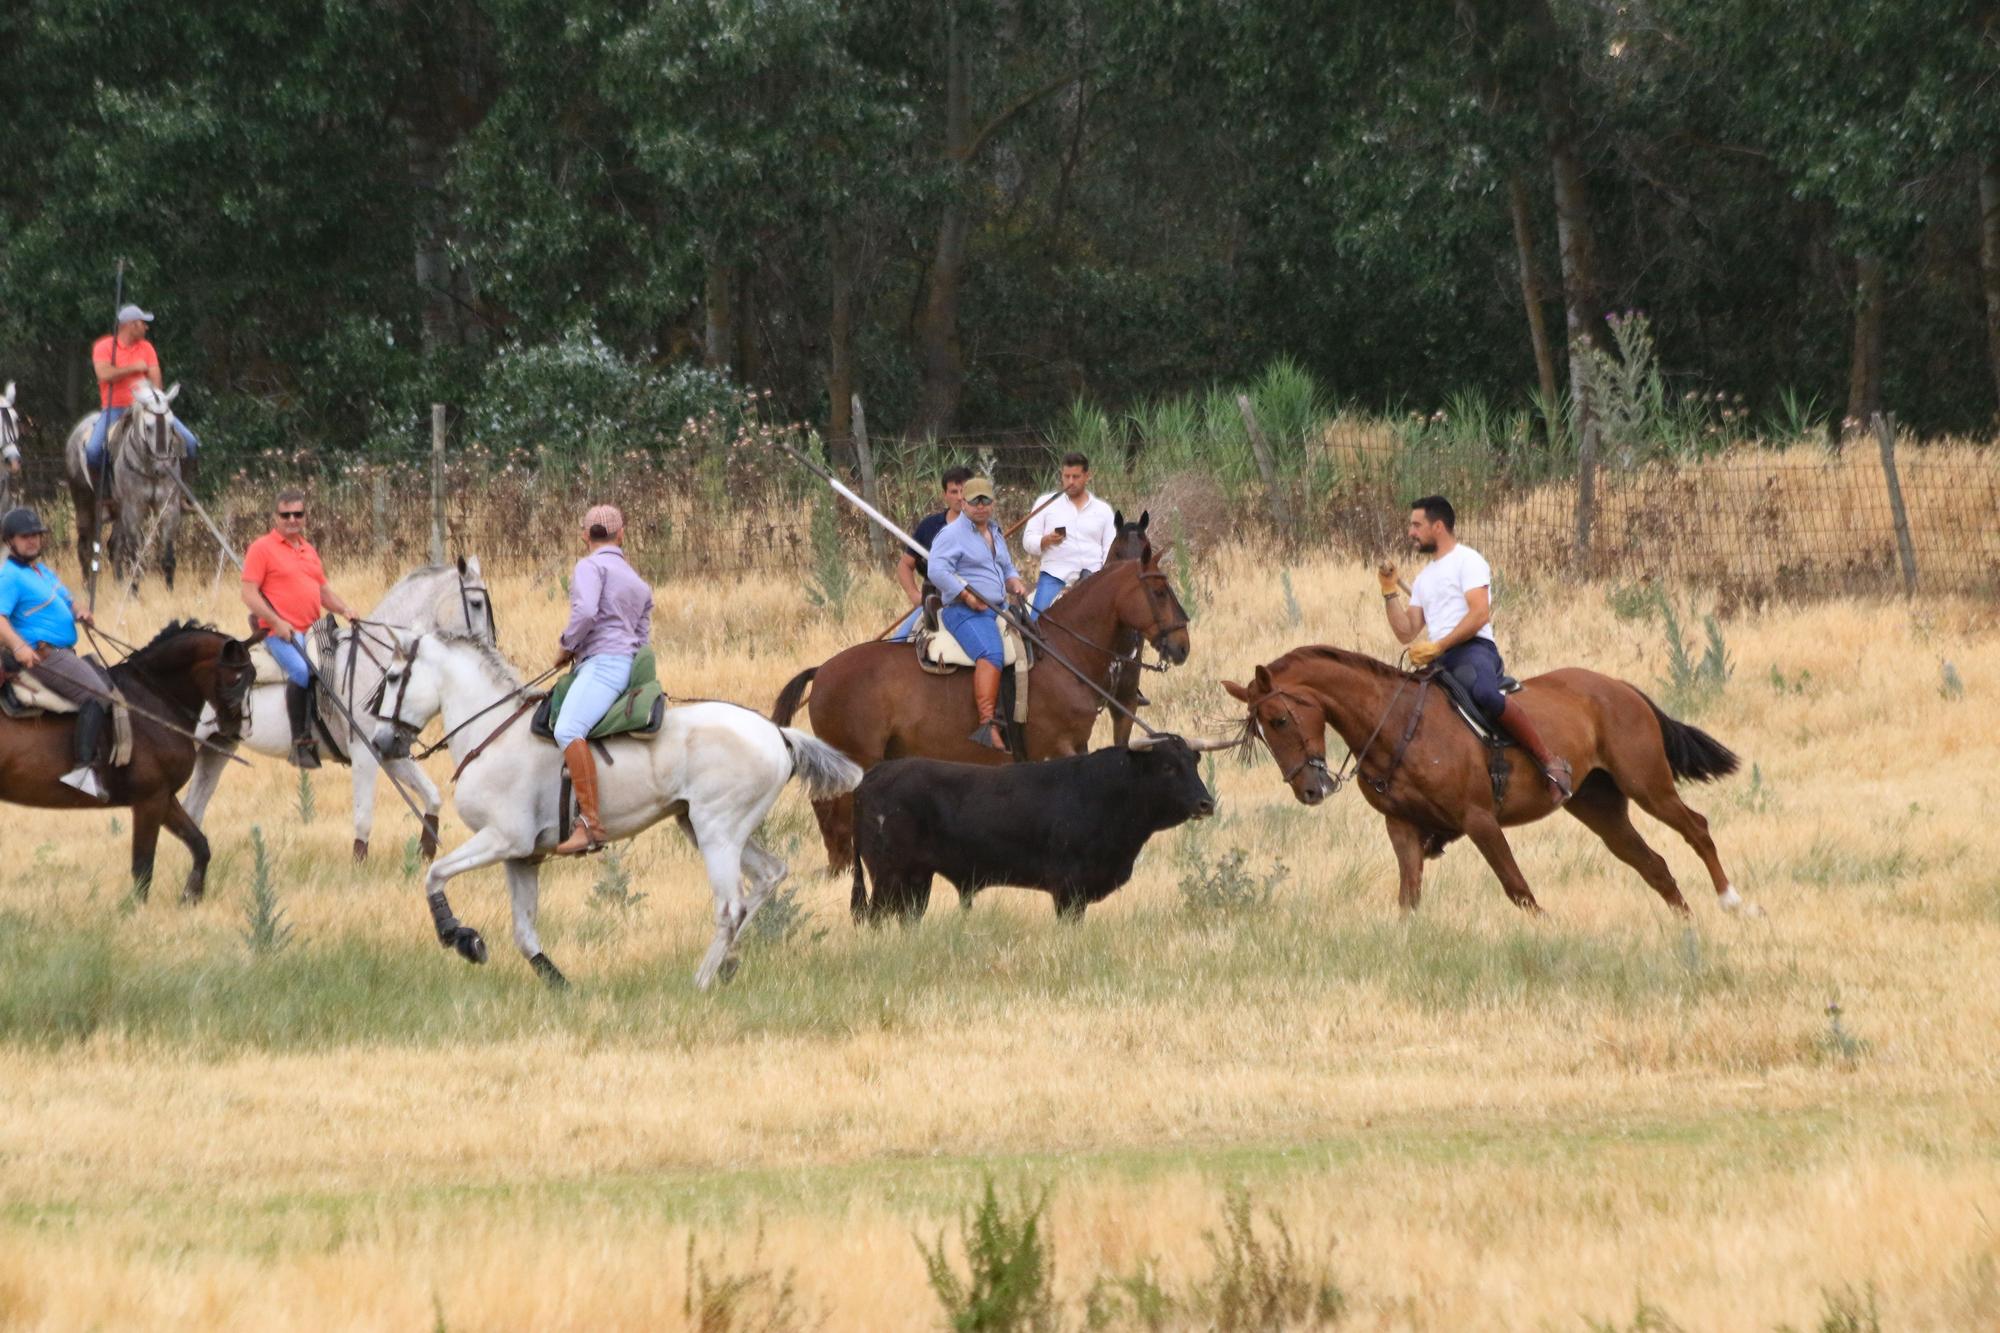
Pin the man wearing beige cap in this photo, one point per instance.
(610, 620)
(120, 359)
(974, 573)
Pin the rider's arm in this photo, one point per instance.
(334, 602)
(1406, 622)
(1478, 614)
(108, 373)
(906, 574)
(586, 590)
(253, 597)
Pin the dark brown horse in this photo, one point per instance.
(874, 702)
(1131, 543)
(1428, 776)
(185, 667)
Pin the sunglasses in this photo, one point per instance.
(291, 513)
(980, 500)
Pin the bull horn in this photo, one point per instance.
(1142, 743)
(1200, 743)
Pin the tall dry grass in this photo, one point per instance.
(1491, 1122)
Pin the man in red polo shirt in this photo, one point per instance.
(285, 585)
(120, 360)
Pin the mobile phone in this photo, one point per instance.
(1062, 532)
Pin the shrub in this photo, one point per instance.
(1010, 1279)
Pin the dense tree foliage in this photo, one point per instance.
(972, 212)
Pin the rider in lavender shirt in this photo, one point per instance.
(610, 620)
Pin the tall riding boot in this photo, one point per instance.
(1555, 768)
(986, 693)
(90, 719)
(298, 707)
(588, 835)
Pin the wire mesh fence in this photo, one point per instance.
(1751, 523)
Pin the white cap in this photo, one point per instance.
(128, 313)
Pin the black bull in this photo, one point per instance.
(1071, 827)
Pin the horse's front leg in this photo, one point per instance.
(167, 557)
(524, 886)
(182, 826)
(1408, 841)
(1487, 836)
(482, 849)
(208, 768)
(147, 816)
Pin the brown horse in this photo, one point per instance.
(1426, 772)
(185, 667)
(874, 702)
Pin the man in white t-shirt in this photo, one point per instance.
(1450, 621)
(1072, 536)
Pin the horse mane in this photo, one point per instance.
(174, 629)
(487, 652)
(1325, 652)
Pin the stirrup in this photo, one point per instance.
(987, 733)
(1559, 776)
(305, 754)
(84, 779)
(592, 843)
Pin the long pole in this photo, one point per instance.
(841, 489)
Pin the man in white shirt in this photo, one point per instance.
(1450, 621)
(1072, 536)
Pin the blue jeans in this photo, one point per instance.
(902, 634)
(978, 632)
(1047, 588)
(286, 652)
(93, 449)
(599, 682)
(1478, 667)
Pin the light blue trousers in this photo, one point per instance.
(287, 654)
(1047, 588)
(902, 634)
(599, 682)
(93, 449)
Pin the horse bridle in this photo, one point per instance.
(1160, 629)
(1350, 767)
(465, 591)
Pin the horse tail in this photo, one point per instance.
(1692, 753)
(857, 902)
(826, 772)
(792, 696)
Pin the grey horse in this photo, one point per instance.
(451, 598)
(144, 506)
(10, 448)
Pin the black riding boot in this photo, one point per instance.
(89, 741)
(298, 707)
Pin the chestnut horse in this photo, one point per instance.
(874, 702)
(185, 668)
(1427, 774)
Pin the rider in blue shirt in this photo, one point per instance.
(974, 573)
(38, 620)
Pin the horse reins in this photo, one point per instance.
(1350, 767)
(1135, 658)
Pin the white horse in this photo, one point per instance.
(425, 600)
(10, 448)
(716, 767)
(144, 506)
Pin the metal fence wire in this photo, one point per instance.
(1750, 523)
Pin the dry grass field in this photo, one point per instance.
(1467, 1120)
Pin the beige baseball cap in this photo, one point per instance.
(979, 488)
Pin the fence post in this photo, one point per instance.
(1281, 513)
(1586, 488)
(866, 459)
(437, 483)
(1906, 551)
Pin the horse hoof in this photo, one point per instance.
(550, 974)
(427, 846)
(727, 972)
(360, 850)
(471, 947)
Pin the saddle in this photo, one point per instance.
(1486, 728)
(24, 699)
(941, 654)
(639, 711)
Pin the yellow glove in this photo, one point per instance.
(1385, 574)
(1423, 652)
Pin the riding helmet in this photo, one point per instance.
(22, 522)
